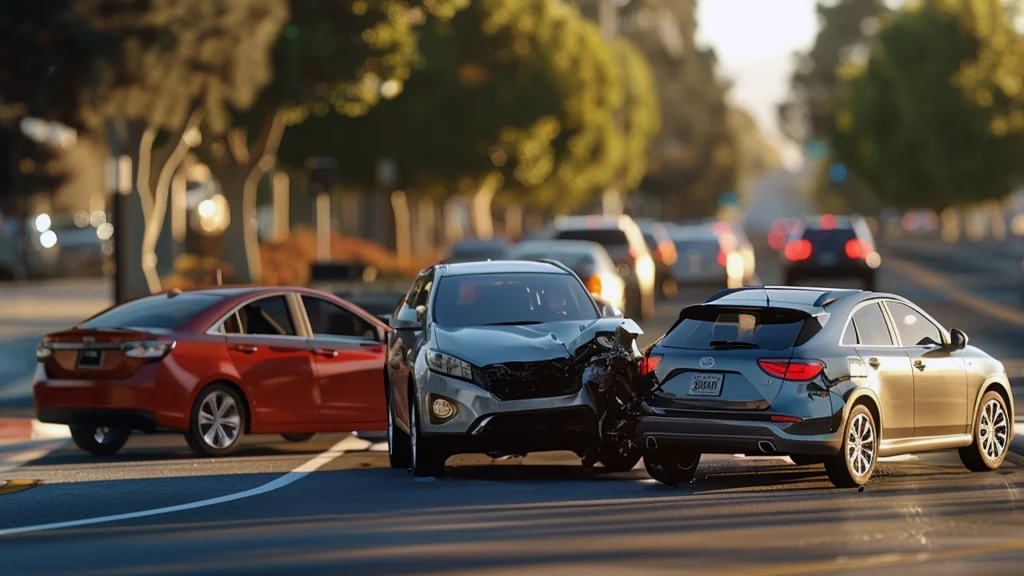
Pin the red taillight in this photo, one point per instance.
(798, 370)
(648, 364)
(666, 252)
(857, 249)
(721, 258)
(827, 222)
(798, 250)
(779, 418)
(776, 239)
(633, 255)
(594, 285)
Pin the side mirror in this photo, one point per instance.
(957, 339)
(399, 324)
(609, 310)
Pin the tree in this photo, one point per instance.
(905, 124)
(333, 57)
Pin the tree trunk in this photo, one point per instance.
(129, 221)
(231, 179)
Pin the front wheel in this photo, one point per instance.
(672, 468)
(426, 458)
(399, 449)
(217, 421)
(100, 440)
(991, 435)
(852, 467)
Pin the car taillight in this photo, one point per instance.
(594, 285)
(798, 250)
(648, 364)
(666, 253)
(798, 370)
(857, 249)
(722, 258)
(43, 351)
(149, 350)
(780, 418)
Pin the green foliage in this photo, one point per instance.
(905, 127)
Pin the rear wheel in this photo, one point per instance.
(852, 467)
(217, 421)
(426, 458)
(399, 449)
(806, 460)
(298, 437)
(991, 435)
(100, 440)
(672, 468)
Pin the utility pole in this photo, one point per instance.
(608, 20)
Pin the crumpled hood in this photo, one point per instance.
(484, 345)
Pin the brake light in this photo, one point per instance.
(666, 252)
(776, 239)
(780, 418)
(827, 222)
(648, 364)
(594, 285)
(857, 249)
(721, 258)
(148, 350)
(797, 370)
(798, 250)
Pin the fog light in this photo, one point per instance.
(442, 409)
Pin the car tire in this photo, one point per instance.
(986, 453)
(217, 421)
(673, 468)
(100, 440)
(853, 466)
(806, 459)
(299, 437)
(399, 447)
(426, 457)
(615, 460)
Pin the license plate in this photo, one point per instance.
(90, 359)
(828, 259)
(706, 385)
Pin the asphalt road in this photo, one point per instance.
(332, 506)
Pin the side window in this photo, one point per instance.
(850, 336)
(267, 317)
(914, 329)
(872, 328)
(422, 296)
(230, 325)
(329, 319)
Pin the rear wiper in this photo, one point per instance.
(514, 323)
(732, 345)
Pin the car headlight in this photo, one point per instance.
(147, 350)
(449, 365)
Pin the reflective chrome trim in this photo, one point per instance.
(299, 324)
(83, 345)
(916, 308)
(925, 444)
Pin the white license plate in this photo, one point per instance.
(706, 385)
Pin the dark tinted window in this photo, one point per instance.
(914, 329)
(159, 311)
(328, 319)
(766, 328)
(833, 239)
(421, 295)
(871, 326)
(529, 298)
(603, 237)
(267, 316)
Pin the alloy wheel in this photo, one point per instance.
(860, 445)
(992, 430)
(219, 420)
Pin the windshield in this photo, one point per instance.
(707, 328)
(158, 311)
(511, 299)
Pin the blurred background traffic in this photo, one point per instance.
(650, 145)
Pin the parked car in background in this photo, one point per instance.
(589, 260)
(663, 251)
(477, 250)
(831, 247)
(833, 377)
(215, 364)
(489, 357)
(624, 241)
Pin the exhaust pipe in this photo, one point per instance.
(652, 443)
(766, 447)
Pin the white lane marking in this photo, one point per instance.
(349, 443)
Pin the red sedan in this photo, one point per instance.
(215, 364)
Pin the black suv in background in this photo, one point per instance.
(831, 247)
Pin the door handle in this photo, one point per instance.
(246, 348)
(919, 365)
(326, 352)
(873, 362)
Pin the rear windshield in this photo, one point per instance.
(836, 238)
(470, 253)
(760, 328)
(572, 259)
(511, 299)
(158, 311)
(602, 237)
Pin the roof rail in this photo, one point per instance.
(831, 296)
(726, 291)
(555, 263)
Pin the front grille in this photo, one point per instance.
(525, 380)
